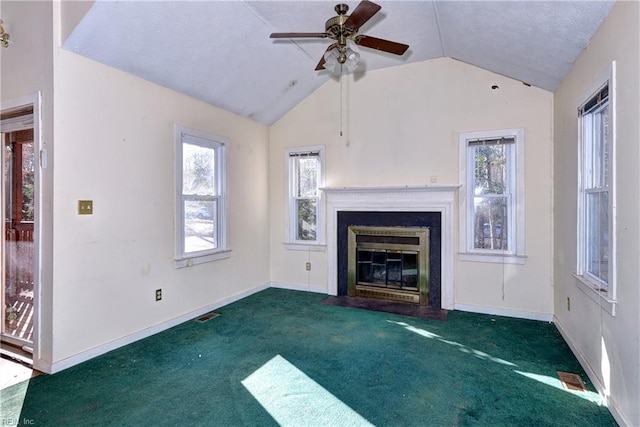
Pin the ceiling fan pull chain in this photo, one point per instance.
(341, 99)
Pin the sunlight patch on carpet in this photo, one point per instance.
(463, 348)
(12, 400)
(294, 399)
(556, 383)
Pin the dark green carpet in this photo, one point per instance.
(392, 370)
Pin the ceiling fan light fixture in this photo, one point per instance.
(335, 58)
(331, 60)
(353, 59)
(331, 56)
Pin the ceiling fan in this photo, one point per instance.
(345, 27)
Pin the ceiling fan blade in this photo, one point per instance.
(297, 35)
(320, 65)
(361, 14)
(381, 44)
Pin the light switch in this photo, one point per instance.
(85, 207)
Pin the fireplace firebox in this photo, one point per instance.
(432, 221)
(390, 263)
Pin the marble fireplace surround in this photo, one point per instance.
(425, 198)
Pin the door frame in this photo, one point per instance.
(35, 100)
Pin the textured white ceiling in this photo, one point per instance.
(220, 51)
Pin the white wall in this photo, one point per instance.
(608, 346)
(401, 127)
(115, 146)
(26, 67)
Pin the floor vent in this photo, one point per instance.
(207, 316)
(571, 381)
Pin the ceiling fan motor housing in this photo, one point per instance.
(335, 29)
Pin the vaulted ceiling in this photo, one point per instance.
(220, 51)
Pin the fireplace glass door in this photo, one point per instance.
(388, 268)
(389, 263)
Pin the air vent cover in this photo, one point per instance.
(207, 316)
(571, 381)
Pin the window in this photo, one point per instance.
(492, 200)
(201, 218)
(596, 204)
(305, 210)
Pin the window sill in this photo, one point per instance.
(492, 258)
(309, 247)
(201, 259)
(594, 292)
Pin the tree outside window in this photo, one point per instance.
(490, 197)
(307, 170)
(492, 220)
(305, 216)
(201, 218)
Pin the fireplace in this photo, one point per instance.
(430, 207)
(390, 263)
(406, 226)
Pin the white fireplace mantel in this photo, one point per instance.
(425, 198)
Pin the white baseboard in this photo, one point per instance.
(136, 336)
(298, 287)
(620, 418)
(519, 314)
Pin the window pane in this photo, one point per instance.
(490, 169)
(596, 155)
(198, 170)
(596, 174)
(307, 176)
(601, 152)
(200, 225)
(597, 238)
(28, 175)
(490, 225)
(306, 227)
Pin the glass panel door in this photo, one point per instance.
(18, 182)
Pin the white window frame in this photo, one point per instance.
(220, 145)
(516, 216)
(291, 212)
(603, 293)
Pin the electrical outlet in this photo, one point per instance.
(308, 266)
(568, 303)
(158, 294)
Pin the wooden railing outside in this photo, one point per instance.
(19, 258)
(19, 252)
